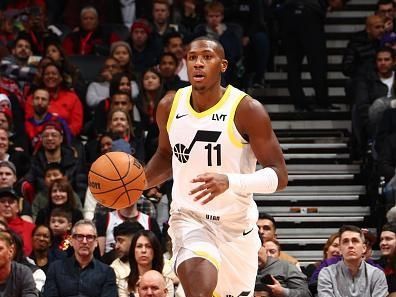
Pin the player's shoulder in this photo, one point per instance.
(250, 106)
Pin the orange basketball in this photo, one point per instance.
(116, 180)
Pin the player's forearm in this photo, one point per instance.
(158, 170)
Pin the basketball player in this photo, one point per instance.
(210, 140)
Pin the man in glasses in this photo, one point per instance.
(81, 274)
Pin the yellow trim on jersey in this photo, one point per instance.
(230, 125)
(211, 110)
(208, 257)
(175, 103)
(215, 294)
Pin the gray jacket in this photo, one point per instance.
(20, 283)
(291, 279)
(336, 281)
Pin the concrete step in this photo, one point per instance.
(282, 108)
(304, 75)
(322, 190)
(332, 59)
(324, 169)
(305, 198)
(342, 28)
(311, 125)
(274, 92)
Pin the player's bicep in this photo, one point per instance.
(162, 115)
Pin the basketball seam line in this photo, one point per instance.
(113, 189)
(122, 181)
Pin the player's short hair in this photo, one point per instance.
(207, 38)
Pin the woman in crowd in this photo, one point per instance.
(63, 100)
(60, 194)
(121, 51)
(41, 241)
(144, 254)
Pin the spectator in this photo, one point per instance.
(90, 38)
(225, 34)
(375, 84)
(340, 279)
(168, 64)
(303, 34)
(17, 279)
(60, 223)
(388, 247)
(145, 48)
(284, 278)
(106, 223)
(152, 283)
(267, 231)
(41, 242)
(16, 66)
(60, 194)
(144, 254)
(64, 102)
(9, 152)
(123, 235)
(52, 151)
(122, 52)
(386, 10)
(9, 210)
(81, 274)
(34, 125)
(53, 172)
(189, 15)
(173, 43)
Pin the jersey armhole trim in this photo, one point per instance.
(231, 124)
(175, 104)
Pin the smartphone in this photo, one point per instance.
(267, 279)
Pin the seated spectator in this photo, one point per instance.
(386, 10)
(81, 274)
(375, 84)
(9, 210)
(90, 38)
(60, 194)
(17, 66)
(60, 223)
(41, 241)
(151, 283)
(340, 279)
(16, 138)
(19, 257)
(173, 43)
(122, 52)
(105, 224)
(114, 80)
(52, 151)
(145, 48)
(8, 152)
(144, 254)
(64, 102)
(279, 278)
(54, 50)
(267, 231)
(8, 179)
(52, 173)
(388, 247)
(35, 124)
(167, 67)
(216, 29)
(7, 34)
(331, 249)
(17, 279)
(188, 14)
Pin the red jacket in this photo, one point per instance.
(67, 105)
(23, 229)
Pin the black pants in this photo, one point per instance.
(303, 35)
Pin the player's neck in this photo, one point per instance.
(203, 100)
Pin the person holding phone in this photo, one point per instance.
(279, 278)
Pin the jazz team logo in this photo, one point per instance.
(182, 152)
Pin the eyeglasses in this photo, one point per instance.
(80, 237)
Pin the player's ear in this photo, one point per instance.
(224, 64)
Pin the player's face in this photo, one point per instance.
(121, 53)
(266, 229)
(334, 248)
(144, 253)
(272, 249)
(59, 225)
(4, 142)
(7, 177)
(387, 243)
(352, 246)
(151, 81)
(205, 63)
(41, 239)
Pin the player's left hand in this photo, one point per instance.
(276, 288)
(213, 184)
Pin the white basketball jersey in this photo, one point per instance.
(209, 142)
